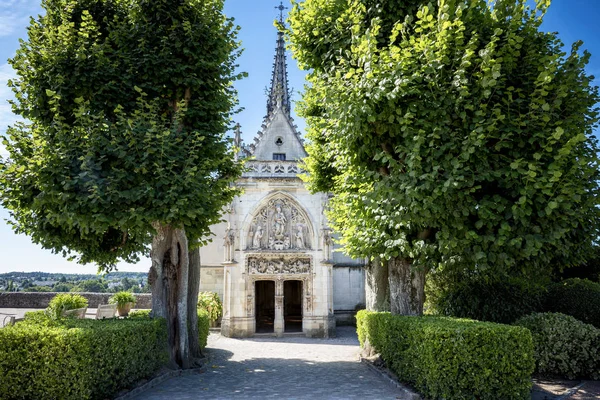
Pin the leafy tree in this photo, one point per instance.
(62, 287)
(91, 286)
(457, 136)
(128, 103)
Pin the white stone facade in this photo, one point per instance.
(272, 261)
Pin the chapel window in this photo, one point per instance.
(279, 156)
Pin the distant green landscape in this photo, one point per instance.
(113, 282)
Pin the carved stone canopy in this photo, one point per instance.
(273, 264)
(279, 225)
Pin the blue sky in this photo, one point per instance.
(572, 19)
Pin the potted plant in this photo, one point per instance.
(61, 303)
(210, 302)
(124, 302)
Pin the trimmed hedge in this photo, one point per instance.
(502, 300)
(564, 346)
(78, 359)
(579, 298)
(445, 358)
(203, 323)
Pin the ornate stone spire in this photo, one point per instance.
(279, 94)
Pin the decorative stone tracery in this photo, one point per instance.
(279, 225)
(274, 264)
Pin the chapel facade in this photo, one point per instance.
(272, 261)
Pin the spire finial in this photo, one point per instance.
(281, 7)
(279, 93)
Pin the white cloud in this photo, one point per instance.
(14, 15)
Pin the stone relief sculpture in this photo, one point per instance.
(229, 245)
(274, 266)
(299, 238)
(257, 238)
(327, 244)
(282, 225)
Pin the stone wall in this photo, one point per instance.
(348, 292)
(41, 299)
(211, 280)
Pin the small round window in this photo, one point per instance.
(279, 141)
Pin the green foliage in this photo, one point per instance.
(203, 328)
(122, 298)
(128, 104)
(142, 314)
(63, 302)
(445, 358)
(458, 136)
(211, 303)
(91, 286)
(564, 346)
(78, 359)
(500, 299)
(579, 298)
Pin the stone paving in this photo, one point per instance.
(285, 368)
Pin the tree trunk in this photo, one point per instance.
(377, 289)
(169, 278)
(193, 289)
(407, 287)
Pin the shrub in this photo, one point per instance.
(497, 300)
(203, 328)
(63, 302)
(140, 314)
(210, 302)
(564, 346)
(451, 358)
(203, 323)
(78, 359)
(579, 298)
(122, 298)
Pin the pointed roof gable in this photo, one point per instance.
(278, 134)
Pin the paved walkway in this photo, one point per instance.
(288, 368)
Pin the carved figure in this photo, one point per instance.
(286, 243)
(228, 244)
(279, 221)
(257, 237)
(271, 243)
(300, 238)
(327, 244)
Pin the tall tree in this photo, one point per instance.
(453, 135)
(127, 105)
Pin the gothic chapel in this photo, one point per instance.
(272, 261)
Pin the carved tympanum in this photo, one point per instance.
(279, 225)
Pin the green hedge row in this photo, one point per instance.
(78, 359)
(445, 358)
(564, 346)
(500, 299)
(579, 298)
(203, 323)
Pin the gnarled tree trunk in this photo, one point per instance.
(169, 278)
(193, 288)
(377, 289)
(407, 287)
